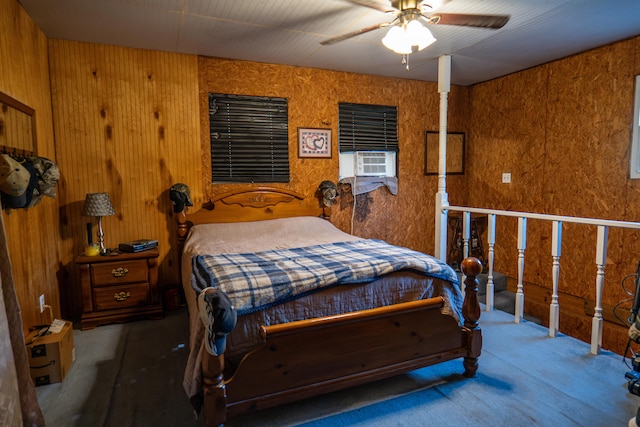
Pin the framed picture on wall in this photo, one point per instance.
(455, 153)
(313, 142)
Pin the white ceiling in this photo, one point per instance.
(290, 31)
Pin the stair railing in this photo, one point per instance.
(556, 244)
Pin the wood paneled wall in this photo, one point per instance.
(33, 233)
(563, 130)
(126, 123)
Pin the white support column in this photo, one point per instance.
(601, 260)
(440, 249)
(491, 241)
(442, 199)
(554, 307)
(522, 245)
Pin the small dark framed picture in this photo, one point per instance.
(455, 153)
(313, 142)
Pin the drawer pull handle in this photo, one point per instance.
(121, 296)
(119, 272)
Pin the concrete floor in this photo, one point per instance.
(131, 375)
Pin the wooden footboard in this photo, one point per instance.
(311, 357)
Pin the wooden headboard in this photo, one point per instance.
(251, 204)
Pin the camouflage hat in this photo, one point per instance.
(48, 175)
(329, 192)
(180, 197)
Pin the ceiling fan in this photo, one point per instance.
(409, 11)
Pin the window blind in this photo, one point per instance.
(249, 138)
(364, 127)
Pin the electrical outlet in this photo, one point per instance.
(42, 303)
(506, 178)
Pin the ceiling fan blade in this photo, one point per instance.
(353, 34)
(372, 4)
(482, 21)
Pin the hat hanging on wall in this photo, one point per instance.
(14, 182)
(40, 174)
(180, 197)
(329, 191)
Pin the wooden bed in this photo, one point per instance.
(310, 357)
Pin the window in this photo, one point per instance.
(249, 138)
(634, 170)
(367, 139)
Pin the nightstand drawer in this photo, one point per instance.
(109, 298)
(114, 273)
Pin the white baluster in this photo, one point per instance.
(556, 249)
(491, 241)
(466, 233)
(522, 245)
(601, 260)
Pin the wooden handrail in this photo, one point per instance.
(547, 217)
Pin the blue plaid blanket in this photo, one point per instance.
(255, 281)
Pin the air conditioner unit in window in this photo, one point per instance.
(375, 163)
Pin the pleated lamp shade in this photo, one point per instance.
(97, 204)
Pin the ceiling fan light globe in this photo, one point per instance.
(392, 37)
(425, 38)
(397, 41)
(403, 50)
(414, 30)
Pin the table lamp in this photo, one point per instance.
(98, 204)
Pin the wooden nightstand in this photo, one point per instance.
(119, 288)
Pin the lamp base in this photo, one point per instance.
(103, 251)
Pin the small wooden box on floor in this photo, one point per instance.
(119, 288)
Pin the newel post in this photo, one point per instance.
(471, 267)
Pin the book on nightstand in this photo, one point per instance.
(137, 245)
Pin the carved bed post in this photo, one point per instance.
(214, 389)
(326, 213)
(183, 228)
(471, 267)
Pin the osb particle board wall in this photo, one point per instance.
(133, 122)
(32, 234)
(313, 96)
(563, 131)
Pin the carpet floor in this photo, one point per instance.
(131, 375)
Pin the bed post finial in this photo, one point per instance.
(180, 196)
(471, 267)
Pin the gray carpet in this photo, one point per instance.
(131, 374)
